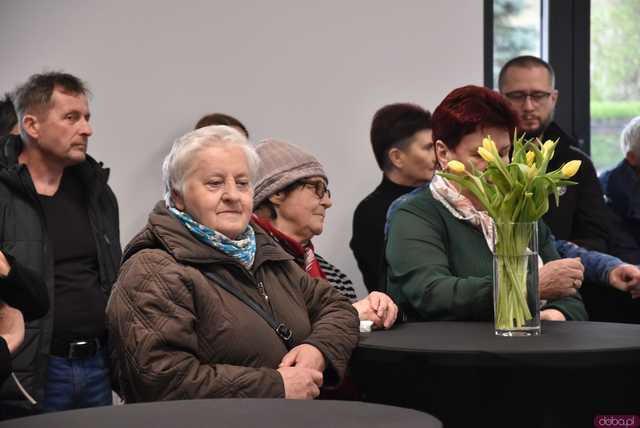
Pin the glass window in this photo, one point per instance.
(615, 76)
(516, 31)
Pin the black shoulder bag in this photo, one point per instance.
(281, 329)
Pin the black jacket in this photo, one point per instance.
(582, 216)
(23, 290)
(621, 185)
(23, 239)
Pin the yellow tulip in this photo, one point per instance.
(488, 143)
(531, 157)
(456, 167)
(547, 146)
(570, 168)
(486, 154)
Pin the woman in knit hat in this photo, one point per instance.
(291, 198)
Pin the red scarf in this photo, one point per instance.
(311, 265)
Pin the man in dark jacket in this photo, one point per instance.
(582, 217)
(59, 229)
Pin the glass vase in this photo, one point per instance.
(516, 300)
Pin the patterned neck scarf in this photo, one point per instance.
(461, 207)
(311, 265)
(242, 249)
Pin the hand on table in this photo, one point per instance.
(379, 308)
(552, 315)
(561, 278)
(625, 277)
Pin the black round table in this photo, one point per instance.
(561, 344)
(465, 375)
(233, 413)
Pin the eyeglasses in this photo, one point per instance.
(520, 97)
(319, 187)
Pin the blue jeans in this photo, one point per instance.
(78, 383)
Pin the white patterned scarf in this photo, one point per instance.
(461, 207)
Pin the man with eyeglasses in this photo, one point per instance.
(582, 217)
(529, 85)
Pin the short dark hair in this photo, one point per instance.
(221, 119)
(525, 61)
(394, 124)
(36, 93)
(468, 109)
(8, 116)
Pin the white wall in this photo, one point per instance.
(312, 73)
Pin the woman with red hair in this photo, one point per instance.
(440, 266)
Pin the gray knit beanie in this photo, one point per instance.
(282, 164)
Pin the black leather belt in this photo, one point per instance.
(76, 350)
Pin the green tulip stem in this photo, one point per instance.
(512, 253)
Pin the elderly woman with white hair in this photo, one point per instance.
(621, 186)
(207, 304)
